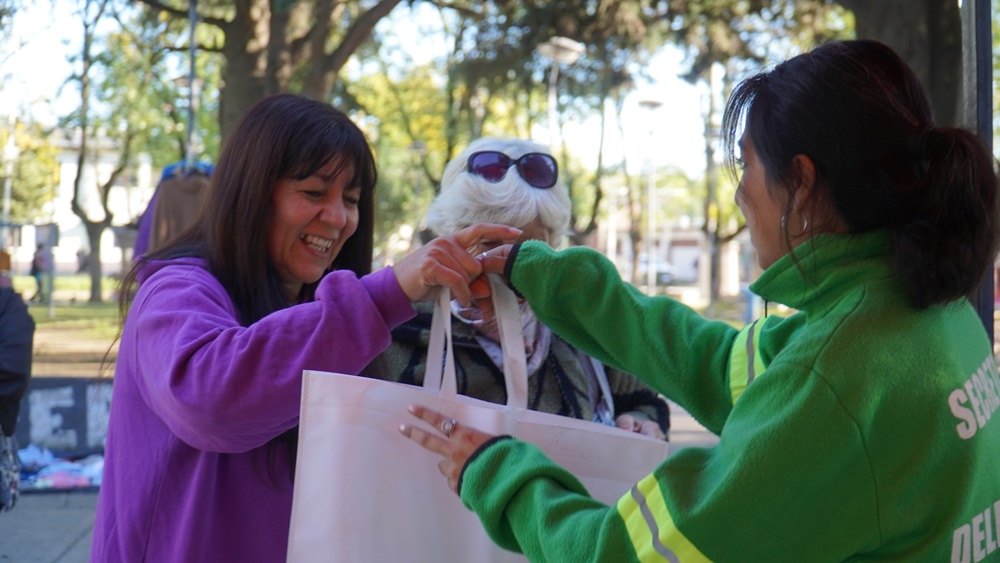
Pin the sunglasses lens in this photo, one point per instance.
(492, 166)
(538, 169)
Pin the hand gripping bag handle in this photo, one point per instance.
(440, 375)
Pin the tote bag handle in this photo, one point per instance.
(440, 375)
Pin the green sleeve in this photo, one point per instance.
(580, 295)
(529, 504)
(788, 453)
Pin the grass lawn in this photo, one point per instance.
(71, 305)
(90, 320)
(76, 337)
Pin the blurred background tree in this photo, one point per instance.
(480, 69)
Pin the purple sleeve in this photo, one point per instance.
(223, 387)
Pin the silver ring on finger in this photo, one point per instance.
(448, 426)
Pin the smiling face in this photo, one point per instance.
(762, 212)
(310, 222)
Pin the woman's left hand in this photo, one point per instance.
(459, 441)
(646, 427)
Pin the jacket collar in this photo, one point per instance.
(817, 274)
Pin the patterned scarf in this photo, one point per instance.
(537, 337)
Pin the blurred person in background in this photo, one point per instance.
(41, 270)
(17, 330)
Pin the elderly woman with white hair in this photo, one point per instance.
(516, 182)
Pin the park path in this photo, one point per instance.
(68, 350)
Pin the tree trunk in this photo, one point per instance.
(323, 67)
(245, 67)
(247, 75)
(928, 35)
(711, 207)
(636, 237)
(94, 228)
(94, 231)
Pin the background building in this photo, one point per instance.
(126, 201)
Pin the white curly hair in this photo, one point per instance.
(466, 198)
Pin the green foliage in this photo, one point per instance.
(408, 138)
(495, 78)
(679, 196)
(35, 172)
(494, 84)
(488, 80)
(7, 10)
(144, 89)
(755, 31)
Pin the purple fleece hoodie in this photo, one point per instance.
(197, 397)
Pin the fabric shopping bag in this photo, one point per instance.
(365, 493)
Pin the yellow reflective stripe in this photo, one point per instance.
(745, 362)
(651, 527)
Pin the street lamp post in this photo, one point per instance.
(10, 154)
(651, 106)
(560, 50)
(189, 85)
(189, 147)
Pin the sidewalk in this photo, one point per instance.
(56, 527)
(50, 527)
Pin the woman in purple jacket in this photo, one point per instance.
(274, 278)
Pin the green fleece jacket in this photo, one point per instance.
(864, 434)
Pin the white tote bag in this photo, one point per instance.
(365, 493)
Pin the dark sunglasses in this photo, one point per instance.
(538, 169)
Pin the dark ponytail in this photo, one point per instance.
(946, 237)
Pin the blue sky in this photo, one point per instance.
(33, 62)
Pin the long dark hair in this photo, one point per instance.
(282, 136)
(861, 115)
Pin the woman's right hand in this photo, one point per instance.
(446, 262)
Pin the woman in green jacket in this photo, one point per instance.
(859, 428)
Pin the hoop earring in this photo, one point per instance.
(805, 227)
